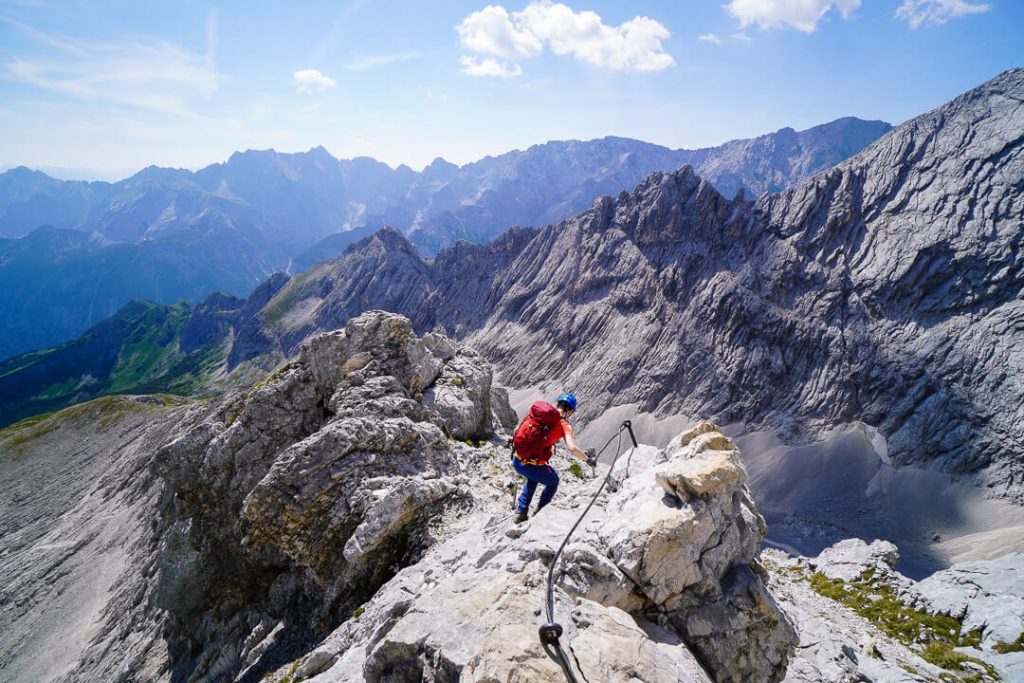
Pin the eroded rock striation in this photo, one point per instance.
(349, 519)
(661, 583)
(884, 290)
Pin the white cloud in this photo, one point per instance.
(491, 31)
(710, 38)
(488, 66)
(311, 80)
(803, 15)
(741, 37)
(634, 45)
(156, 75)
(917, 12)
(374, 61)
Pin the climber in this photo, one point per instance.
(532, 447)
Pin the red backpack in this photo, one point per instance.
(530, 439)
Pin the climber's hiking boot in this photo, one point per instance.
(521, 517)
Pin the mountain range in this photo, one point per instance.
(171, 234)
(328, 499)
(884, 290)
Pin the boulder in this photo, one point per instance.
(849, 559)
(986, 595)
(461, 397)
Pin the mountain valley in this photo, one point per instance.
(816, 337)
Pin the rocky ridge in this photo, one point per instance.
(83, 250)
(885, 290)
(661, 583)
(328, 522)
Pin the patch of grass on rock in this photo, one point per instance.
(938, 634)
(24, 431)
(576, 470)
(1016, 646)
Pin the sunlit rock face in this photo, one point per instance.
(884, 290)
(349, 518)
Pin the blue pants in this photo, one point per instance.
(536, 474)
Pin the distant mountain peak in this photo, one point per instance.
(24, 172)
(388, 238)
(227, 226)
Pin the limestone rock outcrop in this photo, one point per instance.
(883, 291)
(349, 518)
(307, 493)
(656, 585)
(984, 601)
(849, 559)
(986, 595)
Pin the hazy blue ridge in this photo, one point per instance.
(166, 235)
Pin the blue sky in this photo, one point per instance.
(103, 89)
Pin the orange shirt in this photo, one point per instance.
(558, 432)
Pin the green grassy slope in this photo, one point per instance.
(138, 350)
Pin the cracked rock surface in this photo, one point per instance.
(837, 644)
(350, 519)
(659, 583)
(885, 290)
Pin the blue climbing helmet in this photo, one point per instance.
(568, 399)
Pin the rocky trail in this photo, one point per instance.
(349, 519)
(395, 535)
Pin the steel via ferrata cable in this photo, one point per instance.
(551, 631)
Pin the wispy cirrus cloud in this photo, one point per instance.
(493, 32)
(918, 12)
(710, 38)
(311, 80)
(155, 75)
(802, 15)
(375, 61)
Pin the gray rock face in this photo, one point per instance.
(168, 234)
(77, 508)
(986, 595)
(837, 644)
(695, 551)
(884, 291)
(306, 495)
(654, 574)
(348, 520)
(849, 559)
(808, 303)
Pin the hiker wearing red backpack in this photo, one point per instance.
(533, 445)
